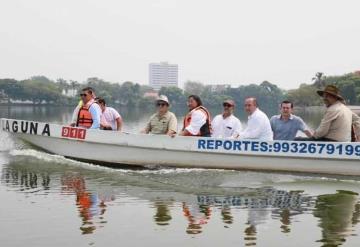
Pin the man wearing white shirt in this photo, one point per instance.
(226, 125)
(110, 118)
(258, 126)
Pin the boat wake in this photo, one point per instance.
(225, 179)
(53, 158)
(6, 143)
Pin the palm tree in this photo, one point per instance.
(319, 80)
(75, 86)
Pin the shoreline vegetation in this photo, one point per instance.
(39, 90)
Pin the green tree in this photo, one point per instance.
(175, 95)
(192, 87)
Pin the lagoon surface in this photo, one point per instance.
(48, 200)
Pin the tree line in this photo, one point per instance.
(41, 90)
(349, 85)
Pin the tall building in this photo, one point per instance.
(163, 75)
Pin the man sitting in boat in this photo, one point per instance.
(286, 125)
(110, 118)
(197, 121)
(163, 122)
(226, 125)
(90, 112)
(336, 125)
(258, 126)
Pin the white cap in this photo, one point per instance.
(163, 98)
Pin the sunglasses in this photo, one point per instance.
(83, 94)
(227, 105)
(161, 104)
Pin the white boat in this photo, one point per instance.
(117, 149)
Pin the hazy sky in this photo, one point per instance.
(229, 41)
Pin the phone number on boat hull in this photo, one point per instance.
(280, 147)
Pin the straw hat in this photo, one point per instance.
(331, 89)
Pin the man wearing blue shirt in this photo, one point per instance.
(286, 125)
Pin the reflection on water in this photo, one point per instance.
(96, 191)
(25, 180)
(163, 215)
(337, 213)
(89, 204)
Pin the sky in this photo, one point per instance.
(233, 42)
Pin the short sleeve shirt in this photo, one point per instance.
(286, 130)
(160, 125)
(225, 127)
(198, 119)
(109, 116)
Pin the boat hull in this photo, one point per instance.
(117, 149)
(118, 156)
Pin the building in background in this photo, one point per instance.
(163, 75)
(219, 88)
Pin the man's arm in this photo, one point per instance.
(147, 128)
(304, 128)
(118, 123)
(308, 133)
(237, 129)
(253, 129)
(356, 124)
(172, 127)
(272, 124)
(75, 115)
(324, 126)
(95, 112)
(198, 119)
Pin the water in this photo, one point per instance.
(48, 200)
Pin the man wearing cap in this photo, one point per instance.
(163, 122)
(337, 122)
(226, 125)
(286, 125)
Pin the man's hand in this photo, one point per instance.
(171, 133)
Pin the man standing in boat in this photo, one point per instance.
(258, 125)
(90, 112)
(286, 125)
(163, 122)
(197, 121)
(336, 125)
(226, 125)
(78, 107)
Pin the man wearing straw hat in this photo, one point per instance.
(336, 125)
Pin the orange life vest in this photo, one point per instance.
(84, 118)
(205, 130)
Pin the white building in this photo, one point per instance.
(163, 75)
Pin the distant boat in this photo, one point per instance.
(116, 149)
